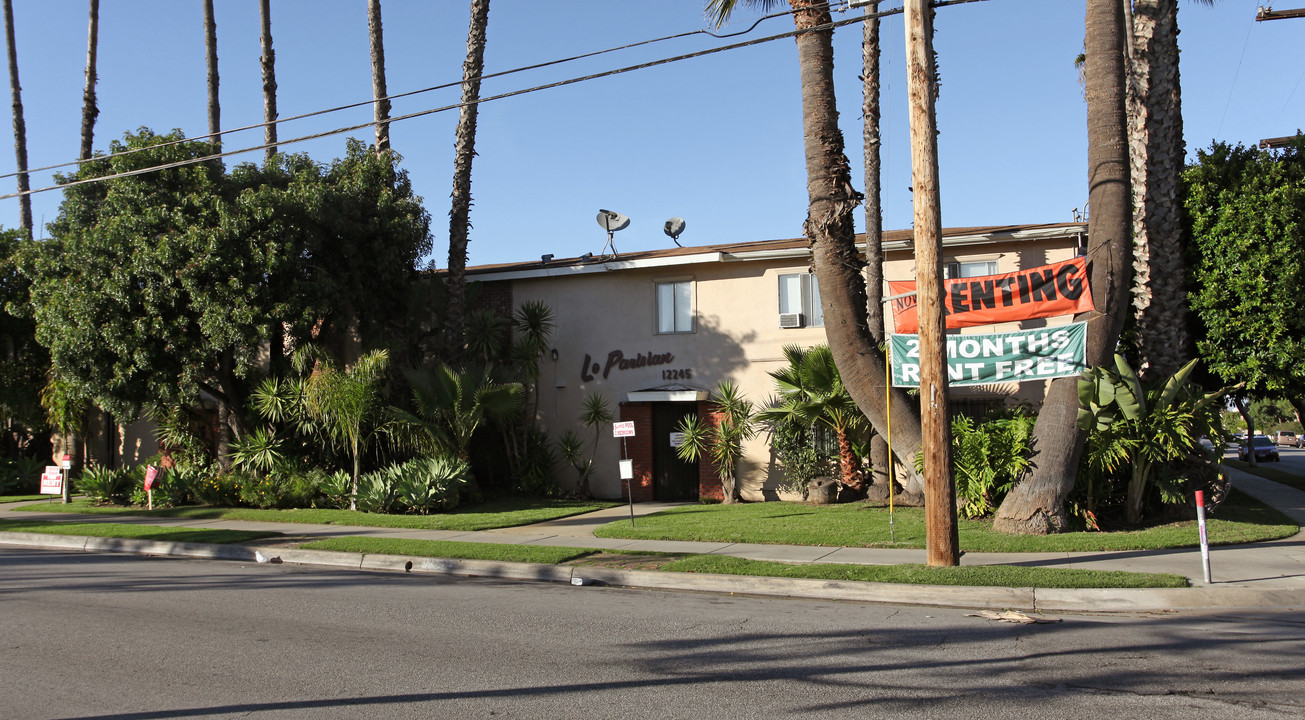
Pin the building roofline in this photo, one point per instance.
(894, 240)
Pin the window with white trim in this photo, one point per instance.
(800, 293)
(675, 307)
(974, 268)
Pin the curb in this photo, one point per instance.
(946, 596)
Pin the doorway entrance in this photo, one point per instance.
(673, 478)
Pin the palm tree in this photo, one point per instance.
(89, 110)
(464, 152)
(381, 102)
(211, 63)
(268, 61)
(831, 230)
(874, 220)
(1036, 505)
(1157, 157)
(811, 392)
(346, 403)
(20, 127)
(452, 404)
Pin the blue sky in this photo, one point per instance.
(715, 140)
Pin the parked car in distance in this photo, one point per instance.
(1285, 437)
(1264, 449)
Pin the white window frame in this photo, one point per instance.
(679, 295)
(813, 314)
(971, 268)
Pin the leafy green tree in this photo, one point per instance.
(721, 438)
(160, 285)
(23, 362)
(1247, 208)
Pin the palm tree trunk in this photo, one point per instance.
(464, 152)
(89, 110)
(20, 127)
(268, 61)
(381, 102)
(1036, 505)
(1157, 162)
(211, 63)
(874, 221)
(830, 229)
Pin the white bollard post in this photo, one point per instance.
(1205, 542)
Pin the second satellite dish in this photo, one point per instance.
(612, 221)
(673, 228)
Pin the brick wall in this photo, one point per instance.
(709, 485)
(495, 296)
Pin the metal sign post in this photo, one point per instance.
(1205, 542)
(625, 430)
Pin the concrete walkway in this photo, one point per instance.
(1264, 575)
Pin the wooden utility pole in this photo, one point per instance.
(942, 543)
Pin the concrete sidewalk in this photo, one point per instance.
(1262, 575)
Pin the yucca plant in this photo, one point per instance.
(721, 441)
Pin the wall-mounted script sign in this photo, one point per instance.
(617, 359)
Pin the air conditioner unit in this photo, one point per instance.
(790, 320)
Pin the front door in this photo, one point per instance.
(673, 478)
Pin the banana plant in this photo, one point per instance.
(1147, 425)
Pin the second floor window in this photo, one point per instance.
(675, 307)
(800, 293)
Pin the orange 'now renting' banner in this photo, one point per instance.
(1057, 289)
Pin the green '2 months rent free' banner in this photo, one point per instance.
(1010, 357)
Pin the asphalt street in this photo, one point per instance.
(89, 635)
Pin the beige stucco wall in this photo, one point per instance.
(736, 337)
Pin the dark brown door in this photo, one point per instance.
(673, 478)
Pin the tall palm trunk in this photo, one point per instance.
(89, 109)
(829, 227)
(1036, 505)
(464, 152)
(211, 64)
(20, 127)
(268, 61)
(874, 220)
(381, 102)
(1156, 152)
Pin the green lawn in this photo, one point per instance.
(973, 575)
(135, 532)
(1269, 472)
(507, 512)
(25, 498)
(448, 549)
(1240, 519)
(992, 575)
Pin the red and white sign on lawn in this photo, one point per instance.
(52, 480)
(623, 429)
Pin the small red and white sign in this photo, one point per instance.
(66, 462)
(52, 480)
(151, 475)
(623, 429)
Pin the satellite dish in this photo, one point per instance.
(612, 221)
(673, 228)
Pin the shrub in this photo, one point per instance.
(170, 489)
(537, 464)
(988, 457)
(106, 485)
(794, 446)
(20, 476)
(219, 489)
(421, 485)
(335, 488)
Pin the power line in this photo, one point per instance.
(445, 108)
(409, 93)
